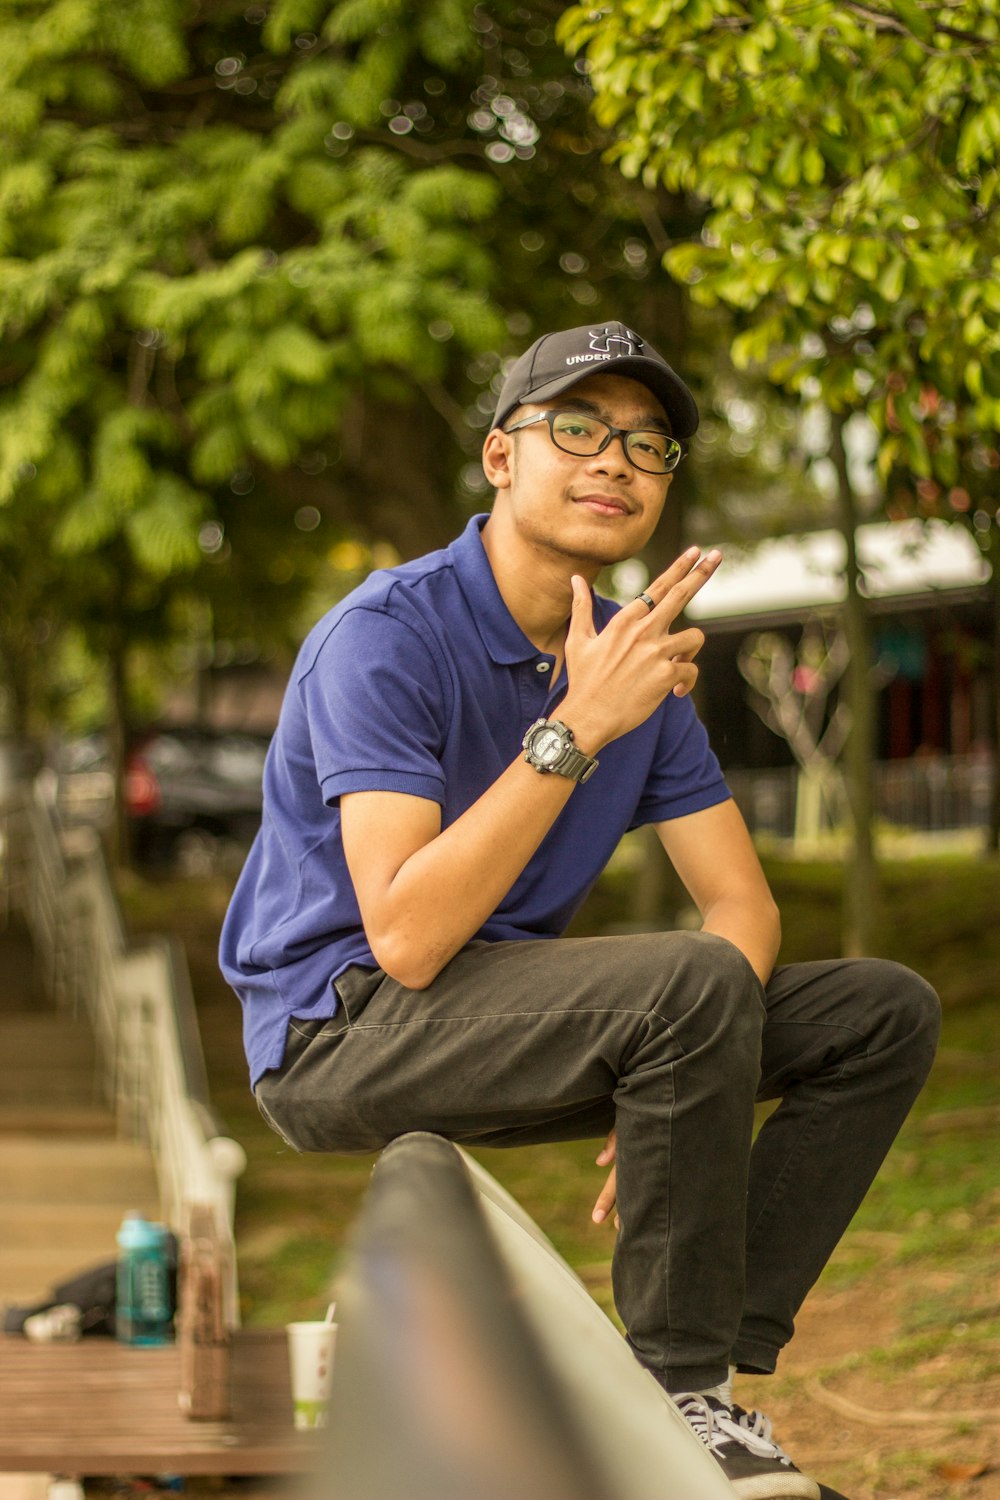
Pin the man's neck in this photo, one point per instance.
(534, 584)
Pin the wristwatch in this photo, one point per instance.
(548, 746)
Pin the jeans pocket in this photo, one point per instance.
(355, 989)
(269, 1120)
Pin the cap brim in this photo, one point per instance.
(671, 392)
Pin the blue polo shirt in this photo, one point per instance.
(420, 681)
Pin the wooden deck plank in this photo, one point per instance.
(99, 1407)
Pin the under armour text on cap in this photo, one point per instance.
(557, 361)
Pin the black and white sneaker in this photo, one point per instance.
(741, 1443)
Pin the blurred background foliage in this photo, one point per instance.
(848, 156)
(260, 265)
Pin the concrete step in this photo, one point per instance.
(54, 1120)
(66, 1181)
(53, 1087)
(61, 1202)
(49, 1080)
(27, 1277)
(90, 1228)
(46, 1038)
(57, 1169)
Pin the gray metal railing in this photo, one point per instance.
(473, 1364)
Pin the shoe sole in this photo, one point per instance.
(779, 1487)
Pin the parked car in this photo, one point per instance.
(192, 794)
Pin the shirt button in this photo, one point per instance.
(543, 666)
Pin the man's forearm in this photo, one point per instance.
(450, 884)
(424, 893)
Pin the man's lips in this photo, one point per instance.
(605, 505)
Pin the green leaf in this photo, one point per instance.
(892, 279)
(162, 534)
(356, 20)
(297, 353)
(290, 18)
(865, 259)
(447, 192)
(786, 166)
(217, 454)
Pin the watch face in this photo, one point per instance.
(547, 745)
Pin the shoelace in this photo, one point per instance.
(759, 1426)
(716, 1424)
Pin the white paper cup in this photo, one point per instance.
(310, 1358)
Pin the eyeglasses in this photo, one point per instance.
(574, 432)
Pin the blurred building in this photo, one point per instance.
(928, 587)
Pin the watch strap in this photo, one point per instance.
(571, 762)
(574, 764)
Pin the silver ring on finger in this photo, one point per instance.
(647, 601)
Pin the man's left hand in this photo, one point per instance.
(607, 1197)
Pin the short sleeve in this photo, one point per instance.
(685, 776)
(376, 704)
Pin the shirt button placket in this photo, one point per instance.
(536, 679)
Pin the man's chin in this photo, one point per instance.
(595, 556)
(609, 545)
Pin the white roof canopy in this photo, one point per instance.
(806, 572)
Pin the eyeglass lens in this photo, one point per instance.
(648, 449)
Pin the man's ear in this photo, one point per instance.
(497, 453)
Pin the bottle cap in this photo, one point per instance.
(137, 1233)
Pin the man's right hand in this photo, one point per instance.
(423, 890)
(619, 677)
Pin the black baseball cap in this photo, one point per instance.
(557, 361)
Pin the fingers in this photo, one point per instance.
(582, 615)
(678, 584)
(688, 674)
(608, 1194)
(605, 1199)
(685, 645)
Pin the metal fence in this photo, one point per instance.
(139, 1004)
(936, 794)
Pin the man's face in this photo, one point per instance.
(597, 510)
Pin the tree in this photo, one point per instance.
(791, 690)
(194, 285)
(260, 266)
(848, 158)
(238, 286)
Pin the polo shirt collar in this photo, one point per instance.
(503, 638)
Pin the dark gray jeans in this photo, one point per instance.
(670, 1038)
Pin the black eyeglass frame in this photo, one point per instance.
(613, 432)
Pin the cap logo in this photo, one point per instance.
(601, 340)
(606, 344)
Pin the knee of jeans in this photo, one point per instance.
(732, 1009)
(904, 1005)
(728, 970)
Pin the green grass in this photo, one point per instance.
(934, 1205)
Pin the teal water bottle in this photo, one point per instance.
(144, 1310)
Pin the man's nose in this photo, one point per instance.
(612, 459)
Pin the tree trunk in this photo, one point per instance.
(993, 827)
(860, 916)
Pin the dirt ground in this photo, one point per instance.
(921, 1423)
(923, 1433)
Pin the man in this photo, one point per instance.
(463, 743)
